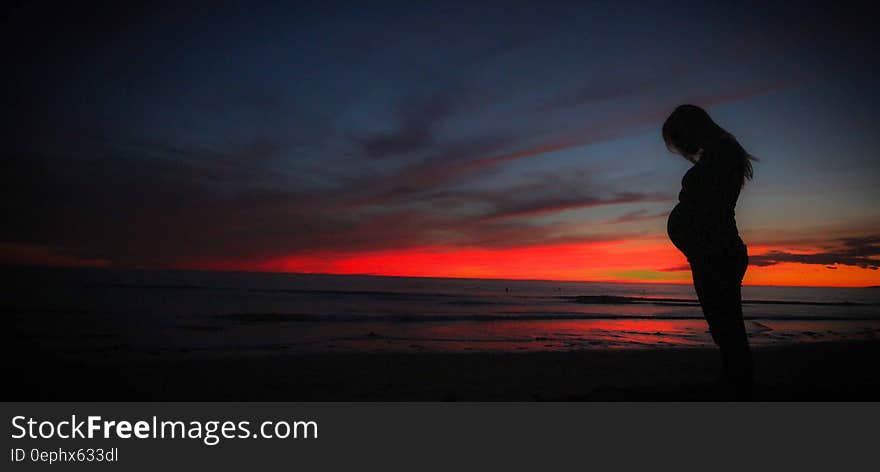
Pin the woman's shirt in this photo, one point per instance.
(703, 222)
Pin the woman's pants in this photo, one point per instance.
(718, 282)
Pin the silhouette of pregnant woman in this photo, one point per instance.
(703, 227)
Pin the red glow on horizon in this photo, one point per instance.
(635, 261)
(638, 261)
(618, 261)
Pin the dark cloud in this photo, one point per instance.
(452, 163)
(556, 200)
(540, 195)
(858, 252)
(679, 268)
(415, 124)
(637, 215)
(863, 252)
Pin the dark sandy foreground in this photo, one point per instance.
(819, 371)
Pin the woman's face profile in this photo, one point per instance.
(671, 147)
(691, 157)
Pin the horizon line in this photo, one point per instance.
(245, 271)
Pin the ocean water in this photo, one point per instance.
(101, 312)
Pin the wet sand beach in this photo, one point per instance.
(844, 371)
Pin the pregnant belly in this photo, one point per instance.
(693, 234)
(679, 228)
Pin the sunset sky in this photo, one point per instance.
(476, 139)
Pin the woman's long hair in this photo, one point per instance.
(689, 131)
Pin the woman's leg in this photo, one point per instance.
(718, 282)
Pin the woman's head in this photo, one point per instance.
(689, 131)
